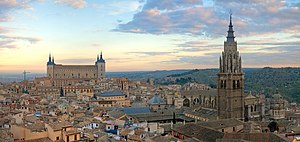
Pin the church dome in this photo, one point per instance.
(277, 96)
(156, 99)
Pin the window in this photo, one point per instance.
(233, 129)
(233, 84)
(222, 130)
(68, 139)
(222, 84)
(75, 137)
(57, 138)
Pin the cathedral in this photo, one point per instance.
(230, 80)
(73, 72)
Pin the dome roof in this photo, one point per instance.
(156, 100)
(277, 95)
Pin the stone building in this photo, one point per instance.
(157, 103)
(230, 80)
(195, 97)
(277, 106)
(254, 108)
(81, 72)
(118, 98)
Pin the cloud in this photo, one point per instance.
(206, 59)
(286, 58)
(7, 44)
(119, 59)
(155, 21)
(262, 42)
(121, 7)
(13, 4)
(151, 53)
(77, 4)
(6, 8)
(24, 38)
(11, 41)
(195, 18)
(191, 46)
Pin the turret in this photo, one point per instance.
(49, 58)
(53, 60)
(100, 66)
(50, 66)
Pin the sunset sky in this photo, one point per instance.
(137, 35)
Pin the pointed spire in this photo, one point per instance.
(49, 57)
(53, 59)
(100, 59)
(230, 35)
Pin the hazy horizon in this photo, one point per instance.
(21, 72)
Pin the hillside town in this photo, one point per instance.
(79, 103)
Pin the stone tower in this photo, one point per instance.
(230, 80)
(50, 67)
(100, 63)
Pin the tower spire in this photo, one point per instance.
(230, 35)
(49, 57)
(52, 59)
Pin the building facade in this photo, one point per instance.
(62, 72)
(254, 107)
(277, 107)
(230, 80)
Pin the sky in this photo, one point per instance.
(138, 35)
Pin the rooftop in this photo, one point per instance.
(60, 125)
(199, 132)
(135, 110)
(156, 99)
(111, 93)
(222, 123)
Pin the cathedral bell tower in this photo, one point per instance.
(230, 80)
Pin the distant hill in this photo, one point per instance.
(206, 76)
(145, 74)
(264, 80)
(287, 80)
